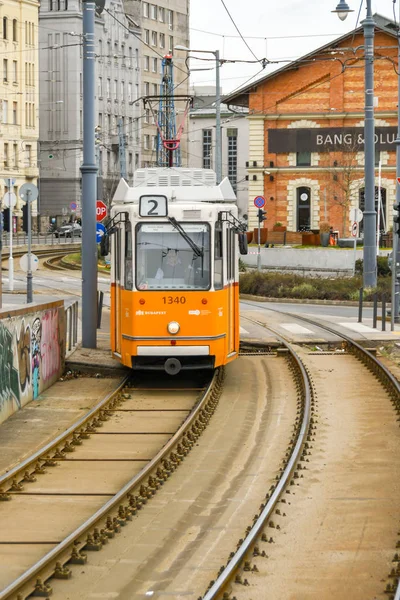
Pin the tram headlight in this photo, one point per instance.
(173, 327)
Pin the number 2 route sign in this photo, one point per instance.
(259, 201)
(101, 210)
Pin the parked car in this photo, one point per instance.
(69, 230)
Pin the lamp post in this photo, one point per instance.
(370, 275)
(218, 137)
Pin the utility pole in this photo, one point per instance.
(218, 136)
(89, 182)
(370, 274)
(121, 150)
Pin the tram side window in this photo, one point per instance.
(218, 259)
(128, 257)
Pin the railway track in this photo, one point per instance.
(286, 574)
(75, 494)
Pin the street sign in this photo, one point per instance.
(73, 206)
(9, 199)
(23, 262)
(356, 215)
(28, 192)
(354, 229)
(9, 181)
(259, 201)
(100, 231)
(101, 210)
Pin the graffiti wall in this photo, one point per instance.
(32, 351)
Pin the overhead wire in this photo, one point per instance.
(238, 30)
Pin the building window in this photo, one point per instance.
(15, 71)
(154, 142)
(146, 88)
(146, 63)
(5, 111)
(154, 65)
(154, 38)
(130, 99)
(146, 9)
(5, 69)
(50, 4)
(154, 12)
(6, 157)
(303, 159)
(108, 90)
(136, 91)
(147, 36)
(28, 150)
(161, 14)
(109, 124)
(5, 21)
(122, 91)
(207, 148)
(109, 51)
(146, 141)
(232, 157)
(155, 89)
(171, 44)
(14, 30)
(147, 115)
(15, 155)
(100, 87)
(303, 209)
(115, 89)
(170, 17)
(15, 113)
(162, 40)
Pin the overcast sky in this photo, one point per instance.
(273, 23)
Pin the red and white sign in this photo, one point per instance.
(101, 210)
(398, 180)
(354, 229)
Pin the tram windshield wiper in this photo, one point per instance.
(198, 251)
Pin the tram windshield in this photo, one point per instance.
(166, 261)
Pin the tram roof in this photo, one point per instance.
(177, 183)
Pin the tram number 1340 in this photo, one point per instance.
(174, 300)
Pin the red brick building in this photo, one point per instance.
(306, 133)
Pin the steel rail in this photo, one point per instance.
(70, 541)
(61, 438)
(234, 563)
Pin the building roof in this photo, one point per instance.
(241, 97)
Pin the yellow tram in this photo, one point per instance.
(174, 270)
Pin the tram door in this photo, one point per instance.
(230, 269)
(117, 254)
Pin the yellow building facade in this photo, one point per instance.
(19, 96)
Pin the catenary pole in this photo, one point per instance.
(89, 180)
(395, 283)
(218, 137)
(370, 275)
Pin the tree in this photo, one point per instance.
(344, 173)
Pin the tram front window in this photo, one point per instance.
(166, 261)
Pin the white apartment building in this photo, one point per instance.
(235, 141)
(61, 86)
(164, 25)
(19, 95)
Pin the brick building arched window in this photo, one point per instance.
(303, 208)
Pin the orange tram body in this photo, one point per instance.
(174, 270)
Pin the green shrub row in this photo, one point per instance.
(286, 285)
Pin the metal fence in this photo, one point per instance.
(21, 239)
(71, 328)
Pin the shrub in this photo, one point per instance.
(304, 290)
(324, 227)
(382, 266)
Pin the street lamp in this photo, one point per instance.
(370, 276)
(218, 137)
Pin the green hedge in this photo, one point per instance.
(286, 285)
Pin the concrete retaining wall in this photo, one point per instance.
(318, 260)
(32, 351)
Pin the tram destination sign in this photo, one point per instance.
(345, 139)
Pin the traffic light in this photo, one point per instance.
(6, 219)
(25, 217)
(396, 218)
(262, 215)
